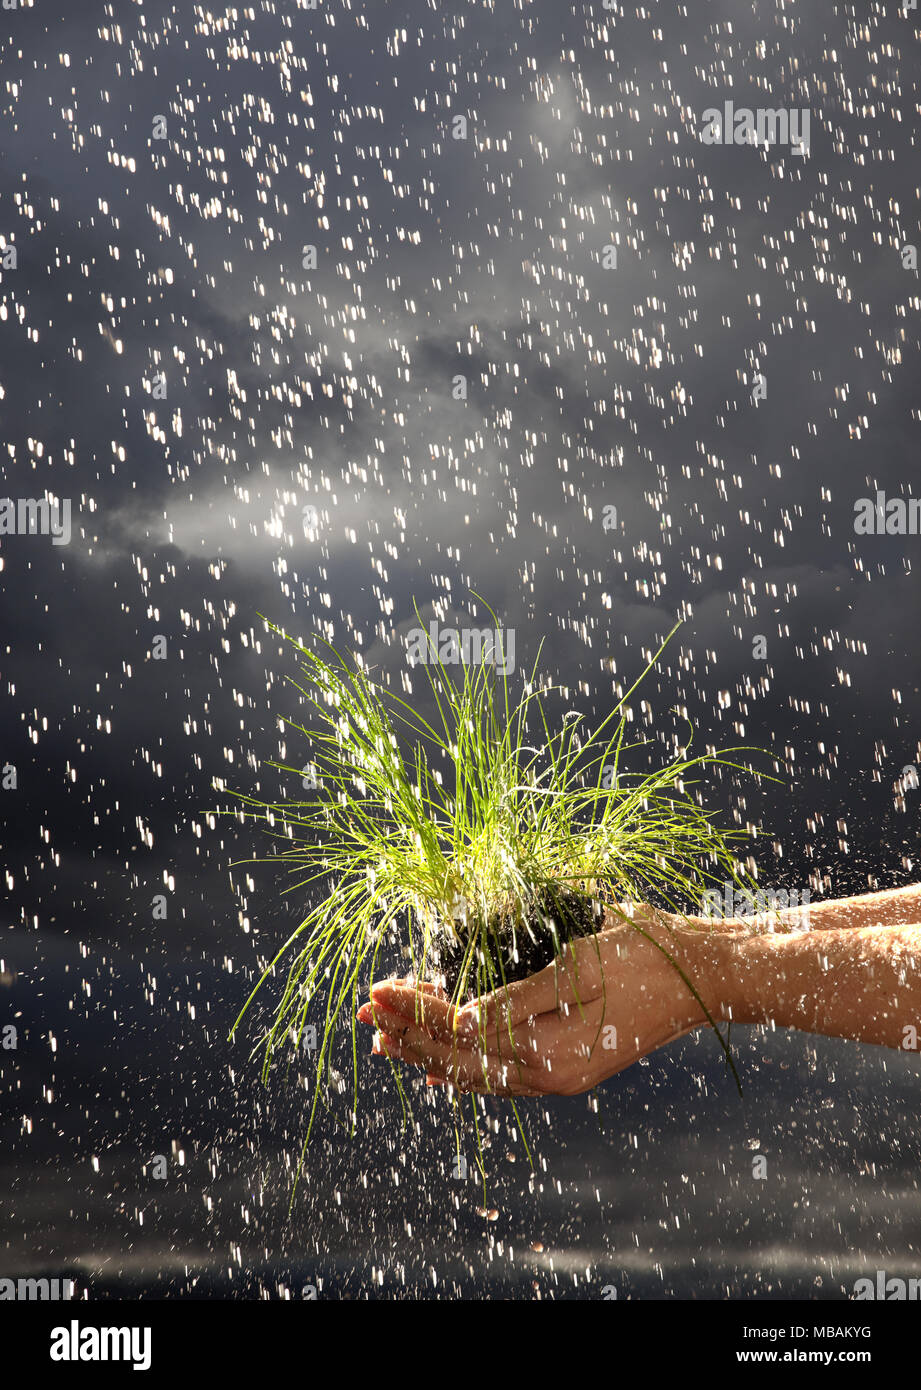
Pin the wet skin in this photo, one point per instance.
(852, 969)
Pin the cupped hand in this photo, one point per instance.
(610, 999)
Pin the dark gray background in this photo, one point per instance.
(588, 388)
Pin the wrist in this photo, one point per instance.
(721, 967)
(714, 960)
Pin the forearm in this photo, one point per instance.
(862, 983)
(893, 907)
(850, 969)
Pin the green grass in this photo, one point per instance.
(484, 807)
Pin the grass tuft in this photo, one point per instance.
(449, 839)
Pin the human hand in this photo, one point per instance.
(613, 997)
(609, 1000)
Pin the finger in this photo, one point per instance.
(499, 1083)
(414, 983)
(520, 1049)
(503, 1092)
(506, 1092)
(386, 1021)
(409, 988)
(460, 1066)
(430, 1011)
(401, 1038)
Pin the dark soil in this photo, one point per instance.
(559, 915)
